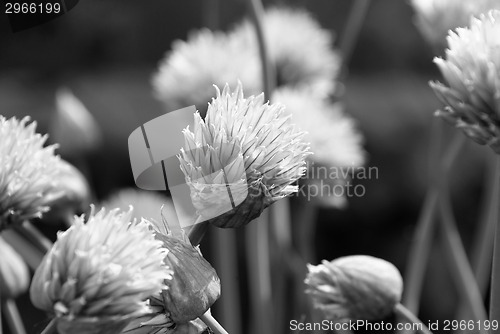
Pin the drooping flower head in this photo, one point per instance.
(471, 69)
(356, 287)
(243, 157)
(301, 50)
(188, 72)
(28, 172)
(435, 18)
(98, 275)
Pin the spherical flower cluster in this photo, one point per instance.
(98, 275)
(354, 288)
(435, 18)
(188, 72)
(29, 172)
(300, 49)
(244, 147)
(472, 70)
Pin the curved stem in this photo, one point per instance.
(214, 325)
(406, 314)
(34, 236)
(268, 75)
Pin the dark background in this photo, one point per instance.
(106, 52)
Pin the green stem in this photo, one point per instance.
(214, 325)
(422, 241)
(350, 35)
(13, 318)
(495, 278)
(410, 317)
(462, 272)
(268, 75)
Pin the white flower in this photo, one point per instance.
(100, 273)
(251, 148)
(435, 18)
(300, 49)
(29, 172)
(188, 72)
(472, 71)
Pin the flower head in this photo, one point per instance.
(243, 157)
(354, 288)
(98, 275)
(29, 172)
(435, 18)
(14, 273)
(472, 69)
(187, 74)
(301, 50)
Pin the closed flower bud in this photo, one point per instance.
(98, 275)
(194, 286)
(470, 68)
(354, 288)
(14, 273)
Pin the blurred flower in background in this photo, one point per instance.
(98, 275)
(272, 149)
(471, 68)
(435, 18)
(355, 287)
(29, 172)
(73, 126)
(299, 48)
(14, 273)
(188, 72)
(332, 135)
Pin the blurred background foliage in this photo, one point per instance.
(105, 51)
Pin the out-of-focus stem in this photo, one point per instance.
(482, 246)
(495, 278)
(214, 325)
(211, 13)
(268, 75)
(13, 318)
(34, 236)
(422, 241)
(30, 254)
(409, 316)
(225, 260)
(462, 272)
(352, 29)
(257, 246)
(51, 327)
(197, 232)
